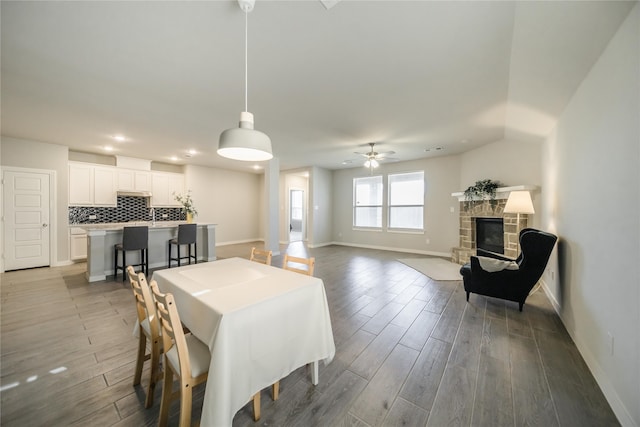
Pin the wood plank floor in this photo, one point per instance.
(410, 351)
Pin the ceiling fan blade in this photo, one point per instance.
(384, 154)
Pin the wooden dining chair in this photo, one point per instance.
(185, 357)
(260, 255)
(309, 262)
(148, 330)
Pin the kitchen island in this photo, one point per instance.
(101, 239)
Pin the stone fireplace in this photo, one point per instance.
(470, 210)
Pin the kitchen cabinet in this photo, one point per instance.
(104, 187)
(92, 185)
(134, 180)
(80, 185)
(78, 244)
(163, 187)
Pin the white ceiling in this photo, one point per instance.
(322, 83)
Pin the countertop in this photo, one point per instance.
(117, 226)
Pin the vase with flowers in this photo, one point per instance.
(187, 205)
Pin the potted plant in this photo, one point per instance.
(482, 190)
(187, 205)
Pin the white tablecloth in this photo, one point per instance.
(260, 322)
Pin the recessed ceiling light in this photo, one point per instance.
(119, 138)
(347, 162)
(192, 152)
(174, 158)
(108, 148)
(257, 167)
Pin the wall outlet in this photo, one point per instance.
(553, 275)
(452, 209)
(428, 240)
(610, 336)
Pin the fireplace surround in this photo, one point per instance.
(470, 210)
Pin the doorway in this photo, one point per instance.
(296, 215)
(26, 210)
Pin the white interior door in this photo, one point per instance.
(26, 220)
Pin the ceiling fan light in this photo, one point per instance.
(367, 163)
(374, 163)
(244, 142)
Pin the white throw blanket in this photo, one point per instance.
(492, 265)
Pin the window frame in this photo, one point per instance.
(390, 206)
(380, 206)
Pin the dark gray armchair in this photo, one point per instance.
(512, 285)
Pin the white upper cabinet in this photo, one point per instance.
(134, 180)
(104, 186)
(164, 185)
(91, 185)
(97, 185)
(80, 184)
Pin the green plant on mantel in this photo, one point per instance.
(481, 190)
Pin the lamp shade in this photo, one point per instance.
(519, 202)
(244, 142)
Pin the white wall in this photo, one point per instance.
(441, 225)
(320, 207)
(39, 155)
(228, 198)
(590, 166)
(510, 163)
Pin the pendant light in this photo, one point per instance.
(244, 142)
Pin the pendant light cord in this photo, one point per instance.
(246, 68)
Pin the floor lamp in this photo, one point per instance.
(519, 202)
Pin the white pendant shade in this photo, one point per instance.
(244, 142)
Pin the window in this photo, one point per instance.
(367, 202)
(406, 200)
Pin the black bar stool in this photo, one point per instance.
(133, 239)
(186, 236)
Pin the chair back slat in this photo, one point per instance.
(309, 262)
(145, 304)
(172, 332)
(260, 255)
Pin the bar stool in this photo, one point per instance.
(133, 239)
(186, 236)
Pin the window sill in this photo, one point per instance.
(404, 231)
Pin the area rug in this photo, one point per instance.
(435, 268)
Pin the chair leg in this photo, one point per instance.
(169, 257)
(520, 305)
(256, 406)
(468, 296)
(142, 348)
(115, 263)
(124, 262)
(275, 390)
(167, 390)
(153, 376)
(185, 405)
(195, 253)
(178, 248)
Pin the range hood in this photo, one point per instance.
(146, 194)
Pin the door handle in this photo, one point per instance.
(45, 225)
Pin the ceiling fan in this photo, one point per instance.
(374, 158)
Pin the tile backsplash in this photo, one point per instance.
(128, 209)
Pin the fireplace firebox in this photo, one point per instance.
(490, 234)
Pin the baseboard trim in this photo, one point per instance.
(609, 391)
(237, 242)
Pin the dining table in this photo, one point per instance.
(260, 323)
